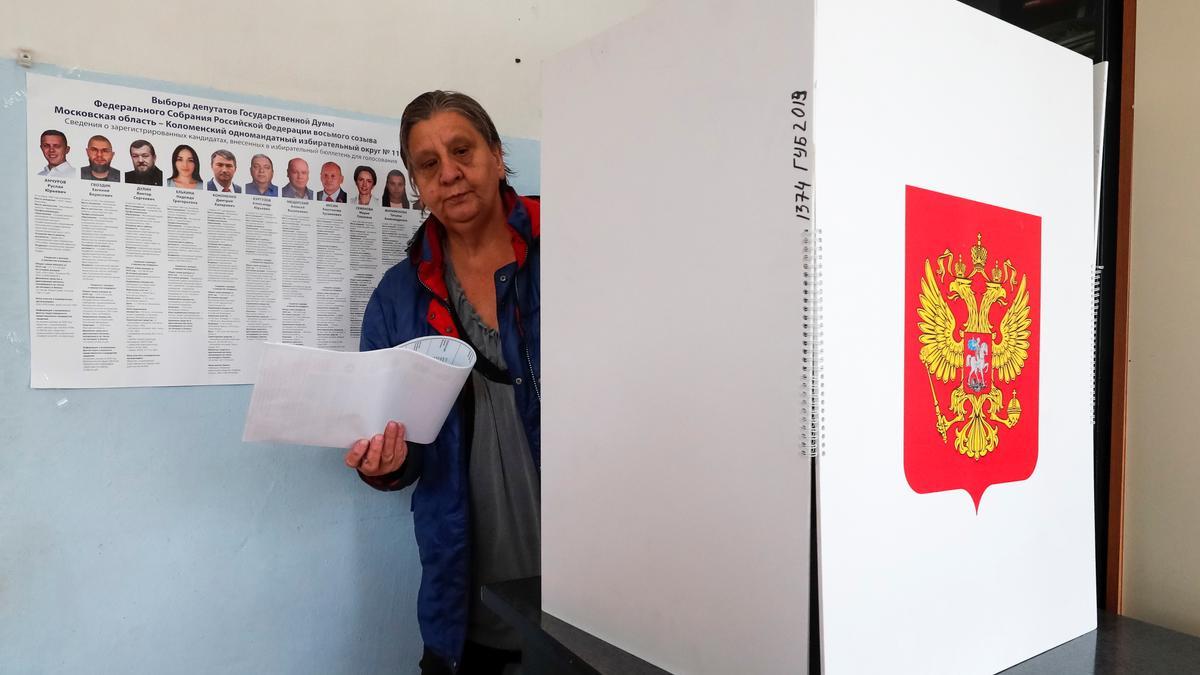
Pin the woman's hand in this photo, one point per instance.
(381, 454)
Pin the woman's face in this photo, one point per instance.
(395, 188)
(457, 172)
(185, 163)
(365, 183)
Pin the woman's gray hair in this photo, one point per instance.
(429, 104)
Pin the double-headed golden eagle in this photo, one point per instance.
(943, 351)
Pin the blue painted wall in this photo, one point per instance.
(138, 534)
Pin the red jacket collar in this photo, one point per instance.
(427, 252)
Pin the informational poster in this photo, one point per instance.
(170, 236)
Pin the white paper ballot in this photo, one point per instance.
(311, 396)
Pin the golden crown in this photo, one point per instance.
(979, 254)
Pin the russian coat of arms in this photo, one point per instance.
(971, 343)
(986, 356)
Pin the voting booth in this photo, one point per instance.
(819, 272)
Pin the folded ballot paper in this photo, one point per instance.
(311, 396)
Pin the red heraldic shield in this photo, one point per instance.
(972, 290)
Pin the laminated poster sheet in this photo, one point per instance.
(170, 236)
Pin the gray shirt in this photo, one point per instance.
(505, 484)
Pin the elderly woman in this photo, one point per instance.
(472, 272)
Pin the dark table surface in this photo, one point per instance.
(1118, 645)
